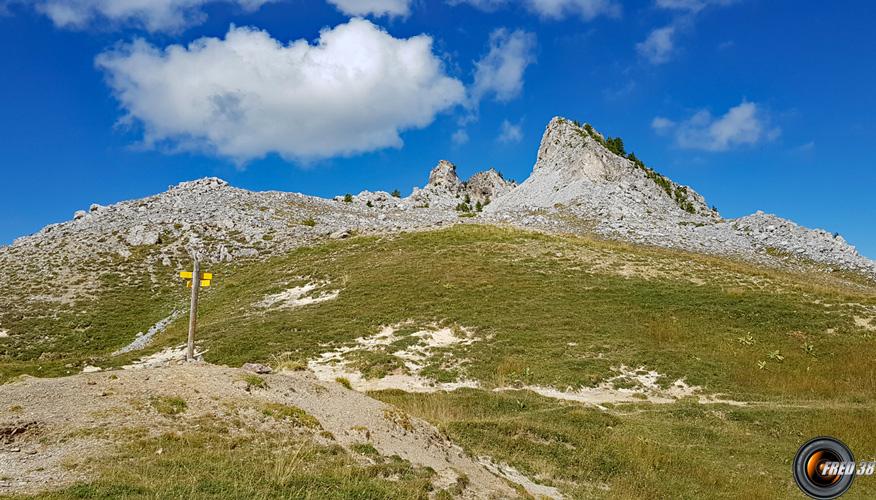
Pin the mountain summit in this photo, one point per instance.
(577, 165)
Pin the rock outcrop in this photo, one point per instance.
(574, 167)
(446, 190)
(484, 187)
(577, 174)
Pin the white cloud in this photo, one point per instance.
(659, 45)
(585, 9)
(373, 7)
(510, 132)
(249, 95)
(151, 15)
(484, 5)
(554, 9)
(690, 5)
(662, 125)
(500, 72)
(742, 125)
(460, 137)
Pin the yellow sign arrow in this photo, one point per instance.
(188, 275)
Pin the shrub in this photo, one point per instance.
(167, 405)
(308, 222)
(479, 207)
(348, 198)
(297, 416)
(344, 381)
(396, 193)
(369, 204)
(615, 145)
(254, 381)
(463, 207)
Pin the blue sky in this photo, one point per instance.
(757, 105)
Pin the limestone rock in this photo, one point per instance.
(142, 235)
(257, 368)
(486, 186)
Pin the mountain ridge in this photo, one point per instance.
(578, 175)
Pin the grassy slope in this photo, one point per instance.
(562, 311)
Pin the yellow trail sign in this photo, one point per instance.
(188, 275)
(204, 276)
(204, 283)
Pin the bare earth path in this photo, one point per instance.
(46, 425)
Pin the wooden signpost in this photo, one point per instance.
(203, 280)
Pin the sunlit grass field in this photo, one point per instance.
(555, 311)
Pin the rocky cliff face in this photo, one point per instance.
(574, 167)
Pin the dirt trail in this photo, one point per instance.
(45, 424)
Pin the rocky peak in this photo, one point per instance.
(577, 151)
(577, 165)
(204, 184)
(487, 186)
(444, 176)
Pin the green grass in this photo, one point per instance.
(168, 405)
(557, 311)
(291, 413)
(213, 462)
(255, 382)
(682, 450)
(540, 304)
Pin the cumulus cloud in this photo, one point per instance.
(500, 72)
(247, 95)
(459, 137)
(151, 15)
(510, 132)
(744, 124)
(554, 9)
(484, 5)
(659, 45)
(373, 7)
(690, 5)
(585, 9)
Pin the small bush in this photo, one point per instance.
(254, 381)
(308, 222)
(369, 204)
(292, 413)
(396, 193)
(344, 381)
(348, 198)
(167, 405)
(366, 449)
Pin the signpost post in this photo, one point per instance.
(196, 280)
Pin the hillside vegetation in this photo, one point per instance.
(773, 357)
